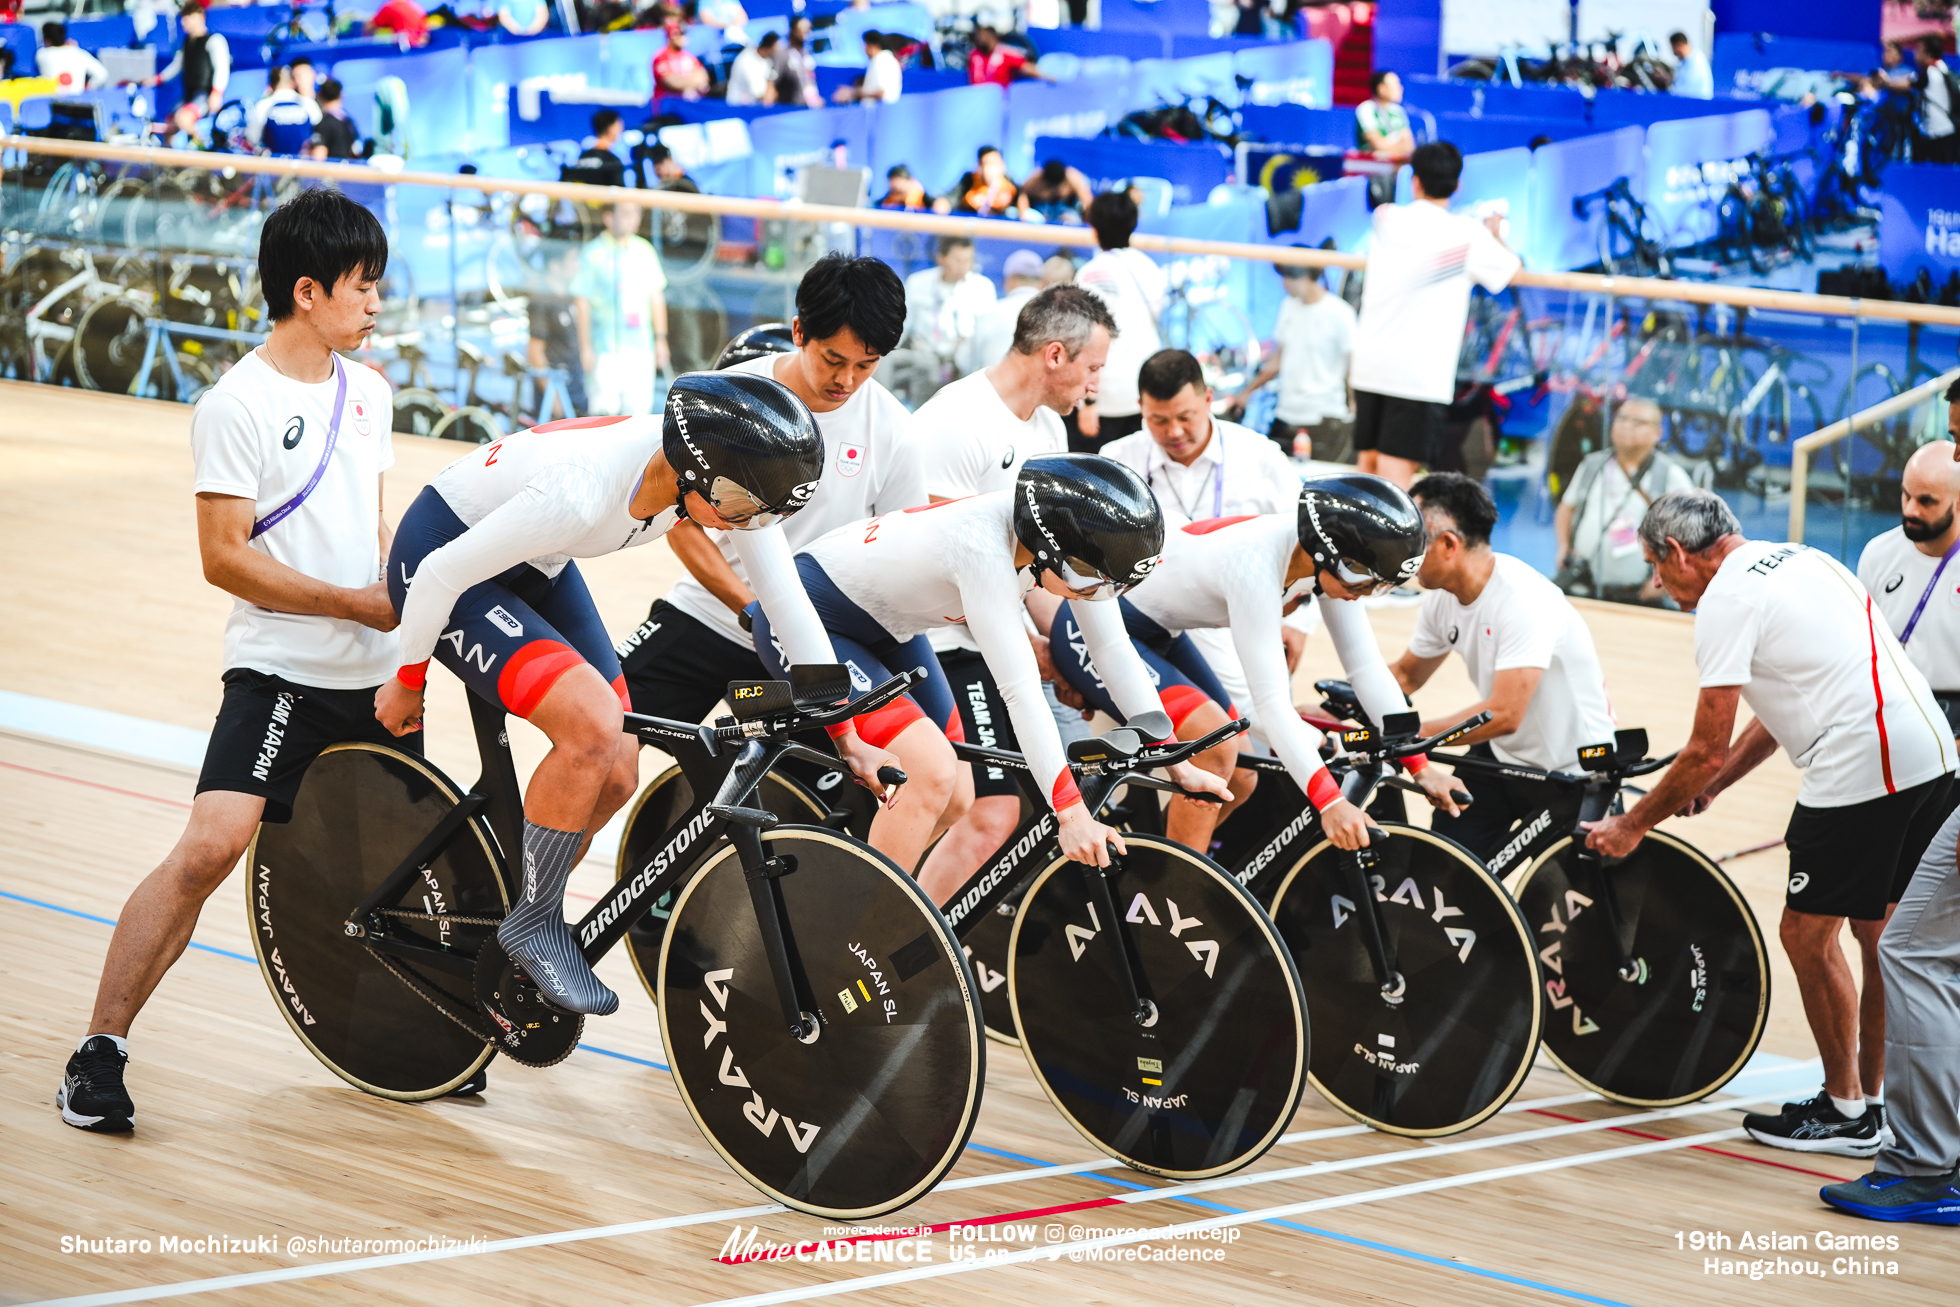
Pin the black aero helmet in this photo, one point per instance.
(1361, 528)
(744, 443)
(1091, 521)
(763, 338)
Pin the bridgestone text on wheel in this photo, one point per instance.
(1454, 1045)
(385, 1024)
(1207, 1086)
(876, 1110)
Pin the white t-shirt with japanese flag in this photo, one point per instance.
(871, 466)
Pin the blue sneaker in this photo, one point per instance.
(1881, 1196)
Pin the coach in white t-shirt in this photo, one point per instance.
(1134, 287)
(289, 448)
(1913, 574)
(1788, 629)
(1313, 346)
(850, 313)
(1528, 653)
(1416, 298)
(973, 437)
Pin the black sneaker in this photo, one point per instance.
(1816, 1126)
(92, 1096)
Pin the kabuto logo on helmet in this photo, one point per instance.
(801, 495)
(674, 398)
(1054, 552)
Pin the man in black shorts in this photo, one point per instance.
(1413, 306)
(849, 315)
(289, 449)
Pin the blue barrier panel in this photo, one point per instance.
(1692, 161)
(1086, 44)
(937, 136)
(1828, 20)
(1072, 109)
(1295, 125)
(1192, 170)
(1169, 17)
(1632, 107)
(1298, 72)
(438, 116)
(903, 17)
(621, 60)
(1564, 169)
(1409, 36)
(1919, 223)
(569, 121)
(788, 141)
(707, 111)
(23, 41)
(1168, 81)
(1479, 98)
(1496, 181)
(115, 29)
(917, 81)
(1742, 57)
(1185, 47)
(1492, 132)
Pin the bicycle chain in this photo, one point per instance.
(402, 914)
(422, 991)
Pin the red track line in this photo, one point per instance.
(94, 785)
(918, 1231)
(1702, 1148)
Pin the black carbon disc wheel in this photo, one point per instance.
(1454, 1044)
(386, 1024)
(1691, 1009)
(986, 947)
(873, 1112)
(660, 805)
(1210, 1082)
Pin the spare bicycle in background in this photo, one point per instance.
(1631, 241)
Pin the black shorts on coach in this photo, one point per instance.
(1410, 429)
(1857, 860)
(678, 667)
(269, 731)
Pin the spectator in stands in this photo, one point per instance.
(1598, 518)
(1133, 286)
(1059, 270)
(1313, 344)
(1381, 124)
(752, 77)
(1692, 75)
(597, 163)
(993, 60)
(988, 191)
(72, 67)
(668, 174)
(1057, 192)
(405, 19)
(1251, 18)
(336, 130)
(306, 78)
(942, 305)
(1938, 93)
(283, 121)
(1413, 306)
(204, 62)
(993, 327)
(882, 81)
(561, 329)
(676, 73)
(796, 68)
(624, 287)
(903, 190)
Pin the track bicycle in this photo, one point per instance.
(1656, 958)
(817, 1011)
(1631, 242)
(1154, 1001)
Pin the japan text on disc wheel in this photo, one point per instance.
(877, 1108)
(402, 1024)
(650, 836)
(1454, 1042)
(1206, 1083)
(1689, 1009)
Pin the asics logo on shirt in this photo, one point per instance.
(1007, 459)
(295, 430)
(1894, 581)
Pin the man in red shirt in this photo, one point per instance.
(404, 18)
(675, 71)
(994, 62)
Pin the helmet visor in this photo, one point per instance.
(1356, 576)
(738, 506)
(1086, 581)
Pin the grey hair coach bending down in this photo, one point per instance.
(1693, 519)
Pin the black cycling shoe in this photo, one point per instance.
(92, 1096)
(475, 1085)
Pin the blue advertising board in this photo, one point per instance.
(1691, 162)
(1919, 222)
(1070, 109)
(1192, 170)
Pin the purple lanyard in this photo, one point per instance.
(285, 510)
(1217, 479)
(1931, 586)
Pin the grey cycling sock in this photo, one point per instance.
(535, 934)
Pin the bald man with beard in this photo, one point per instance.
(1914, 575)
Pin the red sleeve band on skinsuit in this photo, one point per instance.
(1322, 790)
(1415, 762)
(415, 675)
(1064, 791)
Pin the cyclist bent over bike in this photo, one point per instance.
(483, 577)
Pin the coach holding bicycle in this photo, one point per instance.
(1791, 631)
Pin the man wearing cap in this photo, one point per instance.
(993, 327)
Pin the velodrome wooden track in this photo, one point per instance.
(242, 1134)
